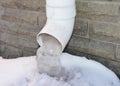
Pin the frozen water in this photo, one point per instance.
(48, 63)
(48, 56)
(79, 71)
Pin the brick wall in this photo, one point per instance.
(20, 21)
(96, 34)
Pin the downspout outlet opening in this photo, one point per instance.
(50, 43)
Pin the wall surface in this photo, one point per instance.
(20, 21)
(96, 34)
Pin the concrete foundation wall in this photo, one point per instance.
(96, 34)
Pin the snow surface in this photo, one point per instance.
(79, 71)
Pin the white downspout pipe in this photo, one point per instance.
(59, 25)
(55, 35)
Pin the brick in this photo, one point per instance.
(26, 31)
(103, 18)
(102, 49)
(43, 5)
(93, 47)
(20, 16)
(2, 48)
(118, 52)
(75, 52)
(29, 51)
(79, 44)
(109, 32)
(99, 8)
(1, 11)
(42, 19)
(12, 52)
(81, 28)
(20, 36)
(17, 41)
(116, 0)
(102, 60)
(23, 4)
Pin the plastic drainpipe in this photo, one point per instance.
(59, 26)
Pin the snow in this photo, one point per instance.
(79, 71)
(15, 69)
(88, 72)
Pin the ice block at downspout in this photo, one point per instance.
(55, 34)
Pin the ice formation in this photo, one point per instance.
(48, 57)
(79, 72)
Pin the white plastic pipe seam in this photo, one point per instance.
(59, 26)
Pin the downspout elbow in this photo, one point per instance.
(59, 26)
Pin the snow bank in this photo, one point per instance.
(79, 71)
(15, 69)
(88, 72)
